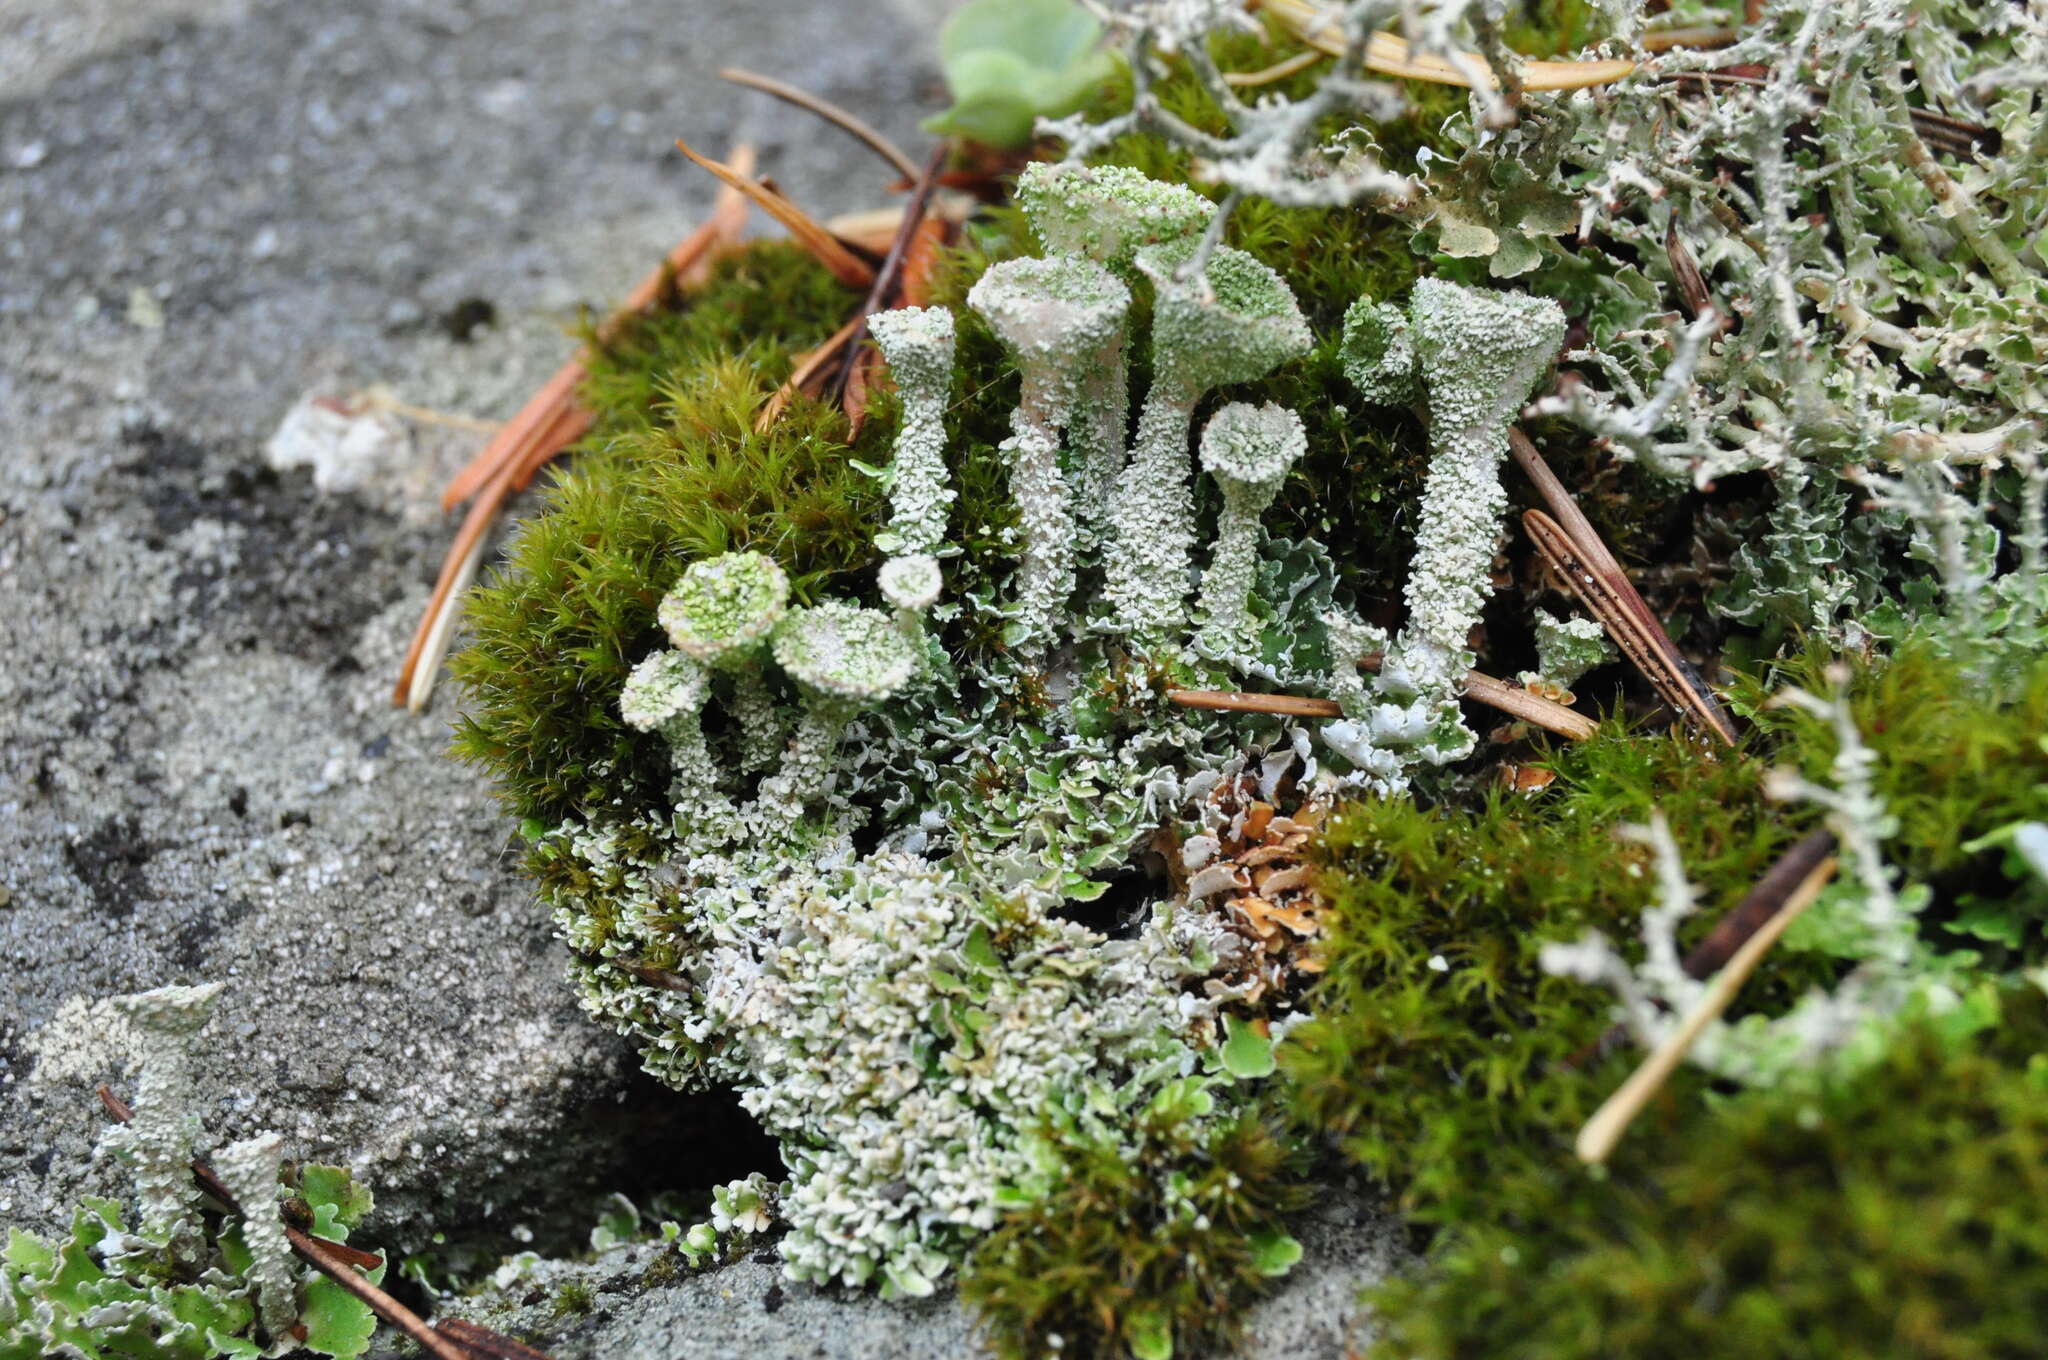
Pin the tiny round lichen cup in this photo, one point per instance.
(666, 693)
(911, 584)
(1233, 322)
(1107, 213)
(842, 658)
(720, 613)
(1248, 450)
(724, 606)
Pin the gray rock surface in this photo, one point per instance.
(208, 209)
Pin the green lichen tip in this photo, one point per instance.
(1480, 352)
(841, 651)
(724, 606)
(1236, 322)
(663, 687)
(1252, 446)
(912, 582)
(1378, 354)
(1060, 308)
(1106, 213)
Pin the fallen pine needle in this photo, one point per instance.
(840, 118)
(1575, 551)
(549, 422)
(1597, 1140)
(1480, 688)
(849, 268)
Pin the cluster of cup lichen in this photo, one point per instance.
(869, 834)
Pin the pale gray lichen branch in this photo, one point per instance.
(163, 1137)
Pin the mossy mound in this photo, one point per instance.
(1897, 1215)
(1451, 1067)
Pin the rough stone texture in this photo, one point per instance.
(209, 208)
(747, 1311)
(206, 210)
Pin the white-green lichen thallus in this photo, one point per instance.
(1248, 451)
(1233, 322)
(917, 342)
(1062, 321)
(1476, 358)
(720, 613)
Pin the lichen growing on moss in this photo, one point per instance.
(980, 943)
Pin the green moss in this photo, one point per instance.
(573, 1298)
(672, 472)
(1147, 1252)
(1434, 1075)
(1897, 1216)
(1441, 1044)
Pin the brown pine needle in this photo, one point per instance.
(1232, 701)
(1575, 551)
(830, 112)
(921, 261)
(1279, 70)
(1512, 700)
(1597, 1140)
(516, 435)
(688, 263)
(1517, 702)
(807, 377)
(849, 268)
(416, 675)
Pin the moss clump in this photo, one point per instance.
(1441, 1044)
(1152, 1247)
(673, 472)
(1443, 1051)
(573, 1298)
(1898, 1215)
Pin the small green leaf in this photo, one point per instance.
(1149, 1334)
(1247, 1054)
(1274, 1252)
(337, 1201)
(1010, 62)
(336, 1322)
(980, 950)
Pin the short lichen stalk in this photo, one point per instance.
(843, 659)
(1057, 318)
(164, 1136)
(1234, 322)
(250, 1169)
(917, 342)
(1248, 450)
(1477, 355)
(666, 694)
(720, 614)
